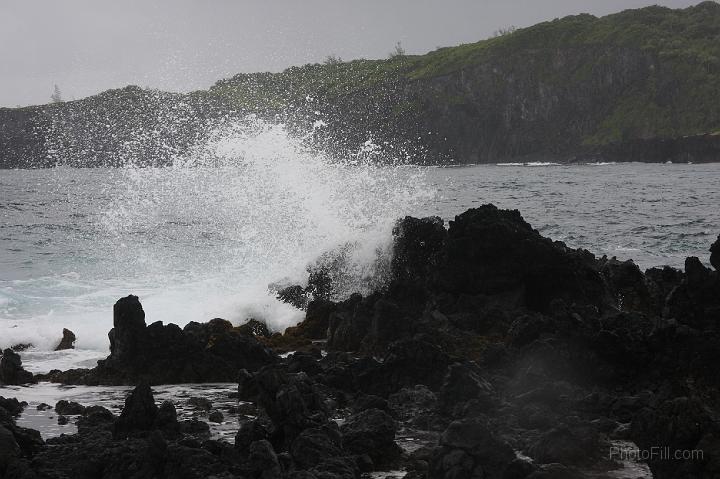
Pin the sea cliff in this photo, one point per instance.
(640, 85)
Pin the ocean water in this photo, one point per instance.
(253, 207)
(655, 214)
(113, 398)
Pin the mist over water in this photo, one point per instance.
(201, 239)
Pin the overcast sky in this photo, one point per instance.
(87, 46)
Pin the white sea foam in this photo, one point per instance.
(204, 237)
(542, 163)
(530, 164)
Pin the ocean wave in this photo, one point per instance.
(204, 237)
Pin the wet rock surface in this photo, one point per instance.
(67, 341)
(16, 443)
(166, 354)
(11, 370)
(69, 407)
(715, 254)
(492, 353)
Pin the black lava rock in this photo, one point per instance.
(11, 370)
(67, 341)
(715, 254)
(468, 448)
(371, 432)
(69, 408)
(163, 354)
(139, 413)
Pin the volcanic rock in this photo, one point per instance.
(12, 406)
(166, 419)
(139, 413)
(69, 408)
(532, 346)
(570, 446)
(316, 322)
(315, 445)
(264, 461)
(348, 325)
(129, 326)
(216, 417)
(696, 301)
(495, 252)
(9, 448)
(416, 242)
(249, 432)
(247, 386)
(254, 328)
(96, 418)
(715, 254)
(371, 432)
(678, 424)
(627, 284)
(162, 354)
(67, 341)
(291, 401)
(11, 370)
(463, 383)
(467, 449)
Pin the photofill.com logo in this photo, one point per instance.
(656, 453)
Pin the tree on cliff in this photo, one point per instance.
(56, 96)
(332, 60)
(501, 32)
(398, 52)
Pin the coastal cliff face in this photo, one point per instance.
(22, 137)
(639, 85)
(508, 111)
(630, 86)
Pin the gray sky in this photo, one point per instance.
(87, 46)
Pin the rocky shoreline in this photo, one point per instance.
(512, 356)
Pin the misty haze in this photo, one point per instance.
(340, 240)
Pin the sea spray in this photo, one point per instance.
(204, 238)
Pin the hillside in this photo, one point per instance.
(638, 85)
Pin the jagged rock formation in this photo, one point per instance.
(165, 354)
(67, 341)
(488, 340)
(569, 349)
(11, 370)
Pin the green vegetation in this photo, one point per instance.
(290, 88)
(560, 88)
(653, 72)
